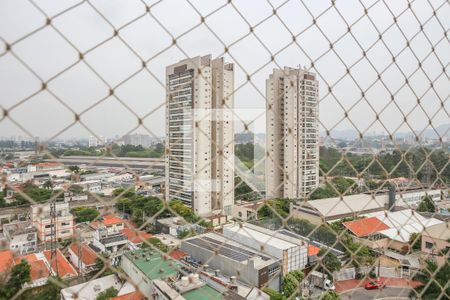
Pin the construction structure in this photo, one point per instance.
(292, 133)
(200, 135)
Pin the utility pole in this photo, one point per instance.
(53, 240)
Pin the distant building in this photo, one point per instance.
(200, 135)
(42, 220)
(292, 133)
(22, 236)
(137, 139)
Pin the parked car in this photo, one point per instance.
(374, 284)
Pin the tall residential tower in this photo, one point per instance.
(200, 134)
(292, 133)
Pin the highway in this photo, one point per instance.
(101, 161)
(24, 210)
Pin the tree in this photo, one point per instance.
(20, 274)
(330, 262)
(426, 205)
(431, 289)
(74, 169)
(415, 241)
(48, 185)
(85, 214)
(291, 283)
(51, 291)
(274, 295)
(329, 295)
(109, 293)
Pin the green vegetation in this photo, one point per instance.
(186, 213)
(109, 293)
(337, 185)
(156, 243)
(154, 151)
(243, 192)
(51, 291)
(396, 162)
(438, 288)
(329, 295)
(329, 262)
(248, 153)
(426, 205)
(415, 241)
(19, 275)
(140, 207)
(291, 283)
(40, 195)
(84, 214)
(274, 208)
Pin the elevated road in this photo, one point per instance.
(101, 161)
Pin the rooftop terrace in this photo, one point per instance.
(204, 293)
(152, 264)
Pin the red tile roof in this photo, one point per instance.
(177, 254)
(365, 227)
(88, 256)
(6, 260)
(130, 296)
(112, 219)
(65, 269)
(136, 237)
(38, 270)
(313, 250)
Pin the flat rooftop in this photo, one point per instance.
(152, 264)
(259, 235)
(204, 293)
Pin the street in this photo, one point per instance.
(387, 292)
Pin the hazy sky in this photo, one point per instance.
(47, 54)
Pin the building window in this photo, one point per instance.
(428, 245)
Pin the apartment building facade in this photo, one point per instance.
(292, 133)
(199, 130)
(41, 219)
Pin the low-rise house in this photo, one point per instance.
(390, 229)
(436, 241)
(6, 261)
(112, 243)
(22, 236)
(82, 257)
(71, 196)
(42, 266)
(135, 237)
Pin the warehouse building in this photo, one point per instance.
(234, 259)
(292, 252)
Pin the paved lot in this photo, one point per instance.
(345, 285)
(387, 292)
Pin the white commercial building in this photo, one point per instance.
(293, 252)
(200, 135)
(292, 129)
